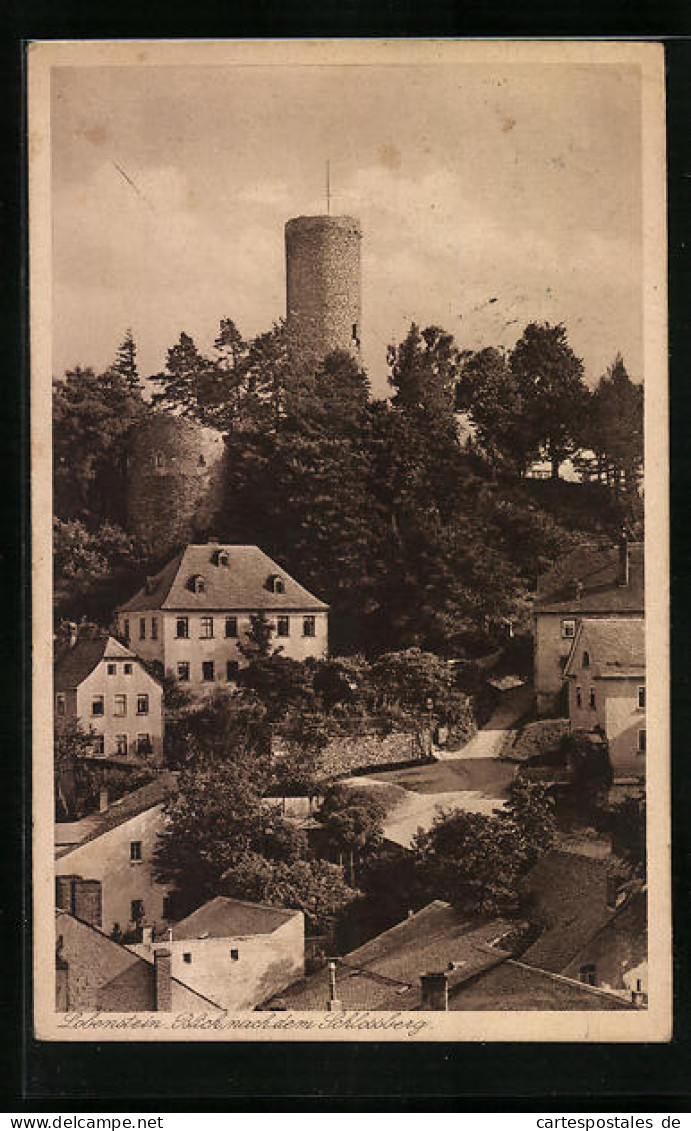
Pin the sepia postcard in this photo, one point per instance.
(350, 527)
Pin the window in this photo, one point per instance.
(354, 333)
(120, 706)
(142, 704)
(588, 974)
(231, 626)
(283, 626)
(591, 700)
(208, 671)
(97, 705)
(234, 953)
(143, 744)
(275, 584)
(309, 625)
(158, 459)
(232, 669)
(60, 704)
(135, 850)
(222, 558)
(207, 628)
(137, 910)
(586, 659)
(98, 744)
(120, 743)
(126, 628)
(568, 629)
(111, 669)
(183, 671)
(128, 669)
(202, 461)
(641, 741)
(187, 957)
(182, 628)
(166, 907)
(196, 583)
(641, 698)
(142, 628)
(579, 697)
(154, 628)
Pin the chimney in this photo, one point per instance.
(73, 634)
(638, 997)
(103, 799)
(163, 985)
(435, 991)
(623, 575)
(64, 892)
(147, 936)
(333, 1005)
(87, 901)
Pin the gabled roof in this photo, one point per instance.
(131, 805)
(598, 572)
(385, 972)
(115, 960)
(242, 584)
(74, 664)
(570, 891)
(516, 986)
(224, 918)
(616, 646)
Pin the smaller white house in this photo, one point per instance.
(235, 953)
(605, 672)
(114, 851)
(107, 688)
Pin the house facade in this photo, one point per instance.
(192, 615)
(107, 688)
(118, 855)
(233, 952)
(587, 583)
(605, 673)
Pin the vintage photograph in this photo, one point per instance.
(349, 481)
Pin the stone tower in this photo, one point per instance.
(174, 480)
(323, 283)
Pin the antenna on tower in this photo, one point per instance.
(328, 188)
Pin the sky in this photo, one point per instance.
(489, 197)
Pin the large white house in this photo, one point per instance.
(191, 616)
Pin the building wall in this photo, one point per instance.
(107, 858)
(551, 652)
(98, 682)
(174, 480)
(323, 283)
(195, 650)
(266, 964)
(623, 720)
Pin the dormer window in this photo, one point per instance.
(196, 583)
(223, 558)
(276, 584)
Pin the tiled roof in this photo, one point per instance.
(73, 665)
(616, 646)
(131, 805)
(597, 571)
(223, 918)
(243, 584)
(571, 895)
(114, 959)
(385, 972)
(516, 986)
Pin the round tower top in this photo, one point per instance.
(322, 223)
